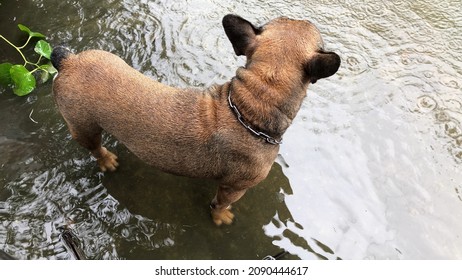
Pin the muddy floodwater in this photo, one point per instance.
(370, 169)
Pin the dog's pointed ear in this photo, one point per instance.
(241, 33)
(322, 65)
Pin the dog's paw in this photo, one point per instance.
(224, 216)
(108, 162)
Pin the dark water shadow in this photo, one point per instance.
(179, 207)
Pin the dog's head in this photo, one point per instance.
(293, 45)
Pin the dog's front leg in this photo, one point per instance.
(221, 204)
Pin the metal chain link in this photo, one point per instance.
(240, 118)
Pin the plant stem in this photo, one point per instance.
(18, 49)
(38, 68)
(38, 61)
(27, 42)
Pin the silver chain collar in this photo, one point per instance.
(240, 118)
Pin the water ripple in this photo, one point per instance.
(426, 104)
(373, 157)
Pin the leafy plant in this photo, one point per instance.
(19, 77)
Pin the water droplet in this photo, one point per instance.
(459, 140)
(356, 64)
(449, 82)
(455, 43)
(442, 116)
(453, 129)
(426, 104)
(428, 74)
(376, 9)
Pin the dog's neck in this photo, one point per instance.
(242, 120)
(268, 107)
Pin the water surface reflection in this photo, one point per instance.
(371, 167)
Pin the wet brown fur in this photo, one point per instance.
(192, 132)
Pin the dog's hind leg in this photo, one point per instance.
(221, 204)
(89, 137)
(106, 160)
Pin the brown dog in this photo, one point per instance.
(230, 133)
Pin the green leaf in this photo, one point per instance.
(23, 81)
(47, 71)
(31, 33)
(49, 68)
(44, 76)
(43, 48)
(5, 76)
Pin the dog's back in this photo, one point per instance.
(96, 90)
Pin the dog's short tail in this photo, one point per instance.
(58, 54)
